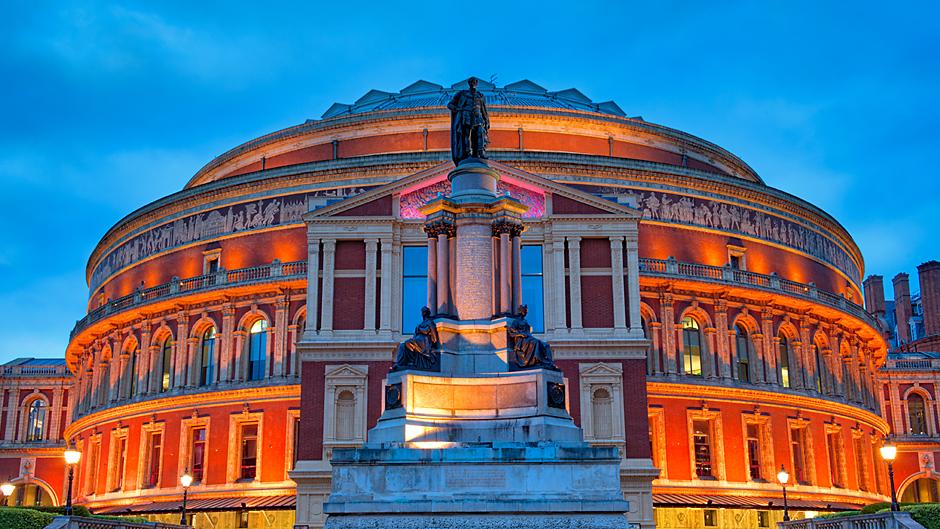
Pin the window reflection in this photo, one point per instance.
(530, 262)
(414, 287)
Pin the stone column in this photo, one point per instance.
(633, 285)
(474, 269)
(329, 262)
(279, 335)
(143, 384)
(722, 339)
(516, 270)
(443, 273)
(505, 271)
(616, 266)
(226, 339)
(56, 409)
(432, 271)
(313, 284)
(669, 332)
(558, 264)
(192, 362)
(239, 356)
(797, 369)
(654, 359)
(180, 365)
(770, 359)
(369, 316)
(385, 311)
(574, 278)
(13, 403)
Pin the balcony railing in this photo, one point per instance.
(734, 277)
(884, 520)
(35, 371)
(276, 271)
(79, 522)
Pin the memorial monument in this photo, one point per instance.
(475, 432)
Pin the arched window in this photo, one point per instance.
(257, 349)
(132, 371)
(36, 421)
(166, 364)
(742, 342)
(783, 351)
(345, 416)
(691, 347)
(601, 413)
(207, 348)
(917, 414)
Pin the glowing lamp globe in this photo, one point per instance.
(186, 480)
(7, 488)
(783, 476)
(889, 452)
(72, 456)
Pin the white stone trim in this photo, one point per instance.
(340, 378)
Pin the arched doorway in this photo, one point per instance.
(32, 494)
(921, 490)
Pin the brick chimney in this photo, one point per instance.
(929, 274)
(875, 295)
(902, 306)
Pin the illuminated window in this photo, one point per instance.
(248, 469)
(530, 262)
(916, 414)
(763, 519)
(198, 455)
(132, 371)
(737, 257)
(861, 462)
(166, 362)
(117, 463)
(798, 453)
(414, 286)
(91, 476)
(742, 342)
(296, 441)
(701, 444)
(834, 446)
(207, 371)
(783, 350)
(242, 519)
(754, 462)
(710, 517)
(36, 421)
(691, 347)
(155, 449)
(257, 350)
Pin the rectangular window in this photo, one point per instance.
(860, 465)
(243, 519)
(120, 455)
(249, 452)
(711, 518)
(296, 442)
(153, 460)
(530, 262)
(797, 449)
(753, 452)
(91, 479)
(701, 443)
(198, 455)
(835, 459)
(763, 519)
(414, 286)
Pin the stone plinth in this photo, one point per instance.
(510, 407)
(502, 485)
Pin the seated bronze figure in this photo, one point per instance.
(421, 351)
(527, 351)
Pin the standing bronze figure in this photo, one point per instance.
(421, 351)
(527, 350)
(469, 124)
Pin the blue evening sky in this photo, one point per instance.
(106, 107)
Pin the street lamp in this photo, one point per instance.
(185, 480)
(889, 452)
(783, 477)
(7, 489)
(72, 455)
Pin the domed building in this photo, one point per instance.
(707, 324)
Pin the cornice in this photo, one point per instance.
(789, 400)
(211, 397)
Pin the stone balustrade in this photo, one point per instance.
(884, 520)
(81, 522)
(273, 272)
(672, 268)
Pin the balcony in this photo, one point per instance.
(672, 269)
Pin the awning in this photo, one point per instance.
(701, 500)
(209, 504)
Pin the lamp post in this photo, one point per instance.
(783, 477)
(72, 456)
(185, 480)
(7, 489)
(888, 453)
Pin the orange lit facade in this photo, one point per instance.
(759, 354)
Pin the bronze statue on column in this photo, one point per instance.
(469, 124)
